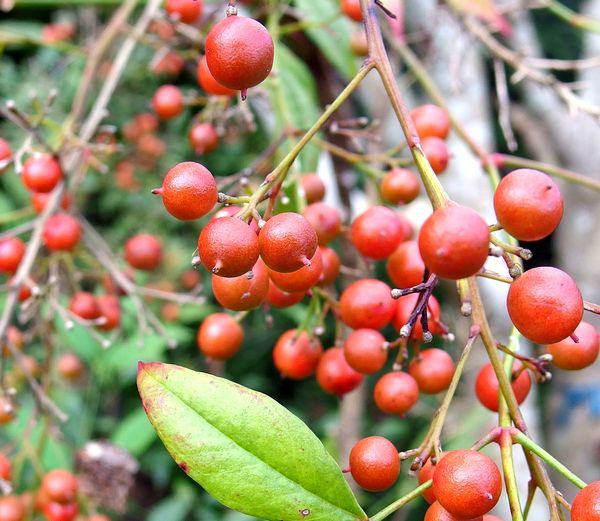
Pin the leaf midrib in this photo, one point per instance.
(249, 452)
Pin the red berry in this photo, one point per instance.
(351, 8)
(424, 475)
(110, 310)
(12, 250)
(239, 52)
(231, 211)
(12, 509)
(220, 336)
(300, 280)
(60, 486)
(59, 512)
(208, 83)
(377, 232)
(431, 121)
(282, 299)
(189, 191)
(374, 463)
(171, 64)
(331, 266)
(326, 221)
(245, 292)
(586, 506)
(70, 366)
(454, 242)
(40, 200)
(5, 468)
(437, 512)
(359, 44)
(168, 102)
(97, 517)
(436, 152)
(489, 517)
(228, 247)
(396, 393)
(187, 11)
(487, 387)
(467, 483)
(545, 305)
(5, 151)
(143, 252)
(364, 351)
(313, 188)
(572, 356)
(400, 186)
(296, 355)
(405, 266)
(41, 173)
(433, 370)
(405, 306)
(203, 138)
(287, 242)
(528, 204)
(367, 303)
(334, 374)
(84, 305)
(61, 233)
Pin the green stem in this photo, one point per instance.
(571, 17)
(280, 172)
(15, 215)
(399, 503)
(510, 479)
(531, 446)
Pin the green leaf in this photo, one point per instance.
(330, 31)
(244, 448)
(134, 433)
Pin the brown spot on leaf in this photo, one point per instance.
(305, 512)
(183, 466)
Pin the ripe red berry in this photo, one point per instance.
(171, 64)
(189, 191)
(331, 266)
(313, 188)
(334, 374)
(40, 200)
(5, 468)
(187, 11)
(245, 292)
(239, 52)
(436, 152)
(208, 83)
(84, 305)
(230, 211)
(5, 151)
(97, 517)
(287, 242)
(168, 102)
(405, 306)
(545, 305)
(467, 483)
(41, 173)
(433, 370)
(454, 242)
(424, 475)
(351, 8)
(228, 247)
(572, 356)
(110, 311)
(374, 463)
(300, 280)
(61, 512)
(325, 219)
(489, 517)
(396, 393)
(61, 233)
(364, 351)
(377, 232)
(437, 512)
(487, 387)
(431, 121)
(203, 138)
(282, 299)
(367, 303)
(12, 250)
(296, 355)
(220, 336)
(70, 366)
(400, 186)
(528, 204)
(60, 486)
(405, 266)
(12, 509)
(143, 252)
(586, 506)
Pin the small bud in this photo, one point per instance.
(396, 293)
(405, 331)
(427, 337)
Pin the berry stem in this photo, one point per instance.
(510, 480)
(531, 446)
(523, 253)
(591, 307)
(399, 503)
